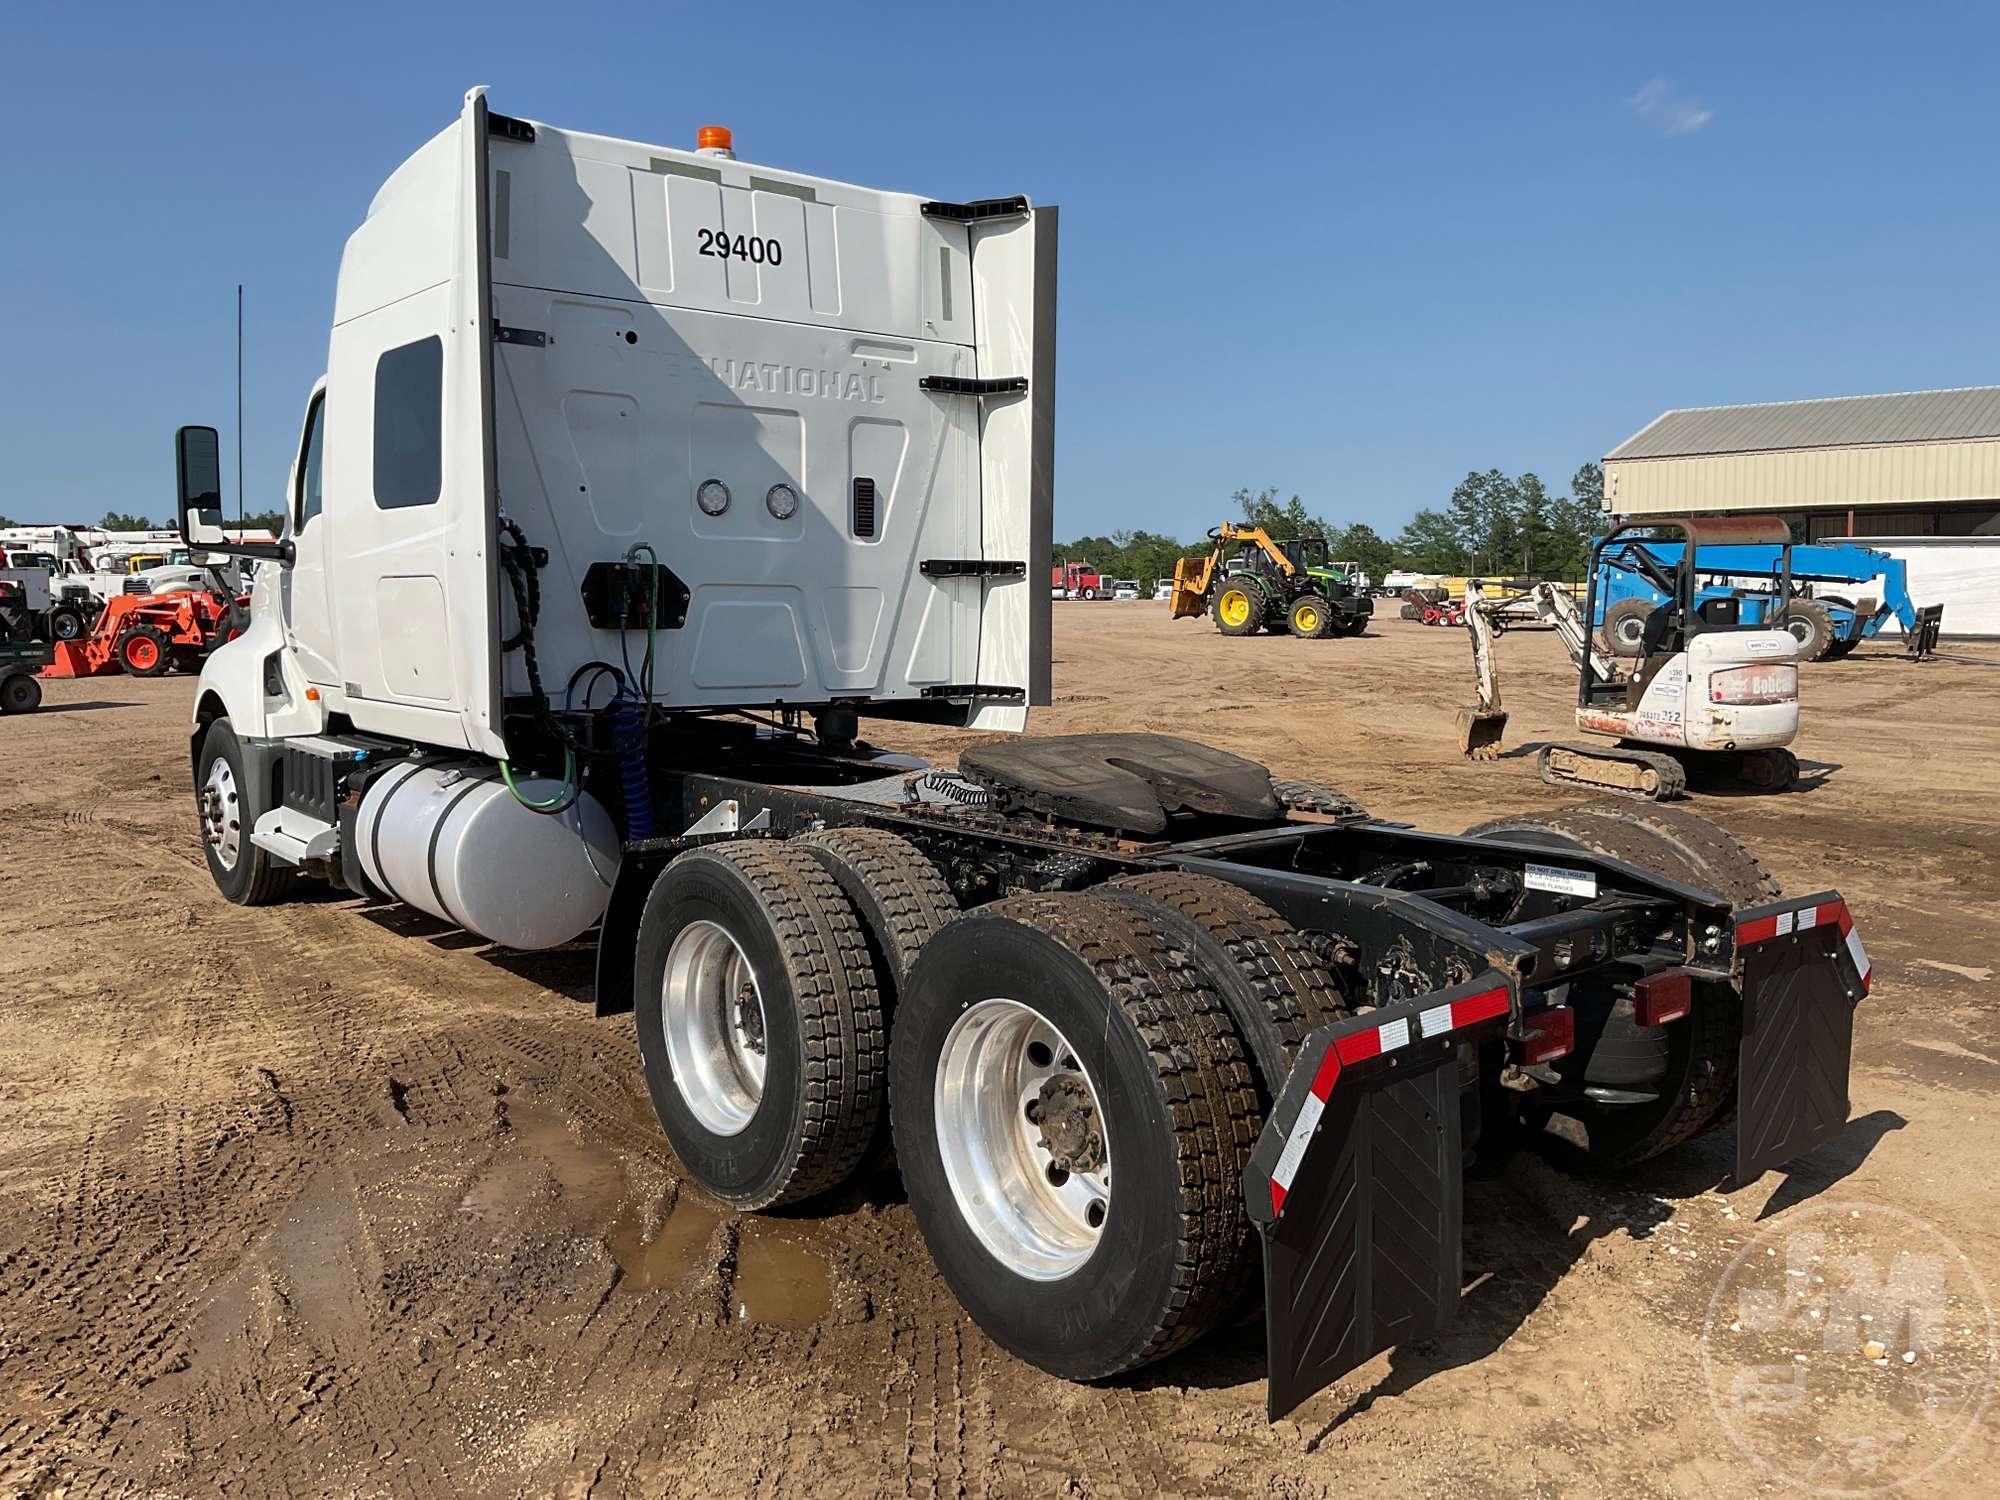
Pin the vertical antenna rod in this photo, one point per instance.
(239, 407)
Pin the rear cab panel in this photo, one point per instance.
(673, 320)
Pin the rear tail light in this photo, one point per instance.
(1765, 682)
(1546, 1035)
(1660, 998)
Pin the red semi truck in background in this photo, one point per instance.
(1077, 580)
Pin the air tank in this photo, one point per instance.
(450, 839)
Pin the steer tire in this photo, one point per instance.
(825, 1056)
(66, 623)
(255, 877)
(1179, 1118)
(1266, 972)
(1309, 617)
(1690, 1064)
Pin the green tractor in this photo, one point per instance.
(1270, 585)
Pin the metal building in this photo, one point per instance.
(1925, 463)
(1917, 475)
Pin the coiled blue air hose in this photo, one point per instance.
(628, 725)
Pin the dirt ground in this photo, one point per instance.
(320, 1200)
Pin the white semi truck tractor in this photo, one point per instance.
(640, 481)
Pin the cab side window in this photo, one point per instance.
(309, 471)
(409, 424)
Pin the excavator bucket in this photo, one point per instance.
(1481, 725)
(1479, 732)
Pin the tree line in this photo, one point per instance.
(1493, 525)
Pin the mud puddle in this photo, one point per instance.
(779, 1280)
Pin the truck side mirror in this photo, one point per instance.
(198, 466)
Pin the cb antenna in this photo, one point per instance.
(240, 520)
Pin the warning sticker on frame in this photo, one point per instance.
(1561, 881)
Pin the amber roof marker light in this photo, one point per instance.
(715, 140)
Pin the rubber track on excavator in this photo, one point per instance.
(1672, 776)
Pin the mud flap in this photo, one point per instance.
(1357, 1187)
(1802, 970)
(618, 930)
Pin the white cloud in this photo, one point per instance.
(1669, 112)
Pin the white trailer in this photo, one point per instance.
(643, 457)
(1962, 573)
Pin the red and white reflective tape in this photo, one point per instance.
(1359, 1046)
(1826, 914)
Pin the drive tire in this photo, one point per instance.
(254, 877)
(822, 1086)
(1277, 990)
(1727, 865)
(903, 901)
(1691, 1063)
(1625, 627)
(901, 897)
(1315, 797)
(20, 693)
(144, 651)
(1179, 1117)
(1811, 626)
(1309, 617)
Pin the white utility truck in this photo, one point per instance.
(639, 477)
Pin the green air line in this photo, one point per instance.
(563, 793)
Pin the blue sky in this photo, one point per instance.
(1349, 252)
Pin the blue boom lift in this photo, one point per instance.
(1826, 625)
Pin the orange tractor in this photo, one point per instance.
(147, 634)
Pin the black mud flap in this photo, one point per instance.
(618, 930)
(1802, 970)
(1357, 1187)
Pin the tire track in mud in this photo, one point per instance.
(134, 1221)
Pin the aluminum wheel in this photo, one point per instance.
(1023, 1140)
(713, 1015)
(222, 813)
